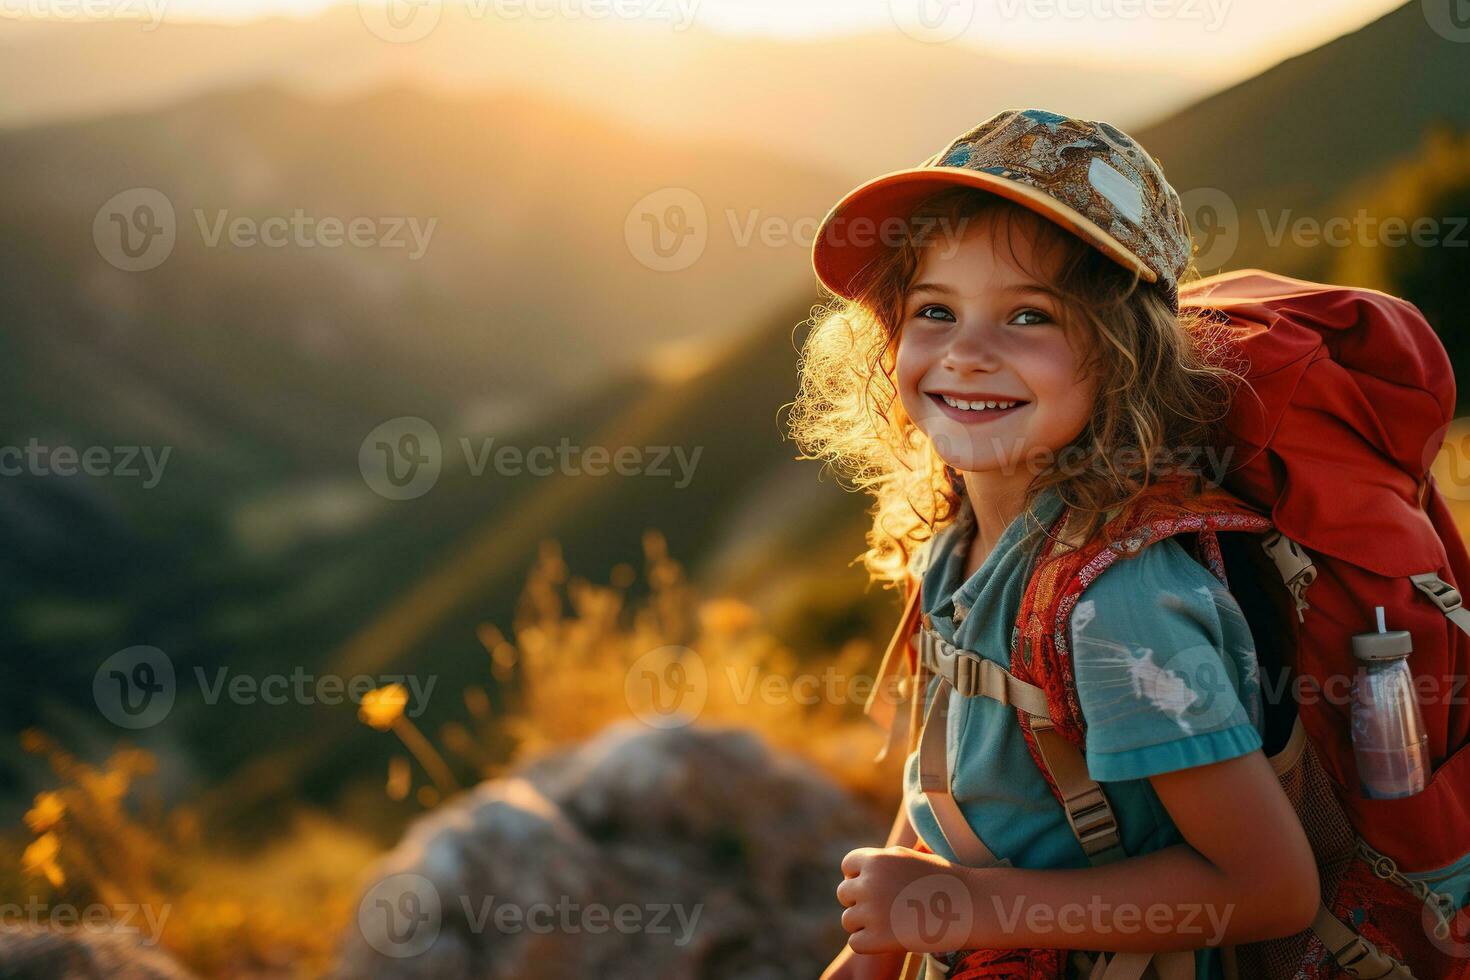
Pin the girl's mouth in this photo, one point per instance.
(975, 414)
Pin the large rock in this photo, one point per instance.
(29, 952)
(678, 853)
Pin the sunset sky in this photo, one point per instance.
(1241, 36)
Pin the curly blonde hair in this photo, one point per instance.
(1164, 387)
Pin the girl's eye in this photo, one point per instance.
(925, 309)
(1042, 317)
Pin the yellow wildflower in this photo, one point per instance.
(40, 859)
(383, 707)
(47, 812)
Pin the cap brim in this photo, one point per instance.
(840, 264)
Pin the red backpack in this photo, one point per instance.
(1328, 510)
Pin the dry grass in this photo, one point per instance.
(578, 662)
(579, 655)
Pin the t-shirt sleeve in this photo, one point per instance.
(1165, 668)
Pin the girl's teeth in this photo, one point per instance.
(975, 406)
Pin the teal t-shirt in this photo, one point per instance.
(1166, 679)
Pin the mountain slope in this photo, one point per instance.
(1290, 140)
(688, 84)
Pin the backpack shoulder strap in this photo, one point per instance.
(895, 680)
(1066, 567)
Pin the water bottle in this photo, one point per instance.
(1389, 741)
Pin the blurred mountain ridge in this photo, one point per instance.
(534, 316)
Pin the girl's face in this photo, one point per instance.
(977, 328)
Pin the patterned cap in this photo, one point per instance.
(1089, 177)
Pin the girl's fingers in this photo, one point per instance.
(852, 919)
(846, 892)
(853, 863)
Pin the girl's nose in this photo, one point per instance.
(973, 348)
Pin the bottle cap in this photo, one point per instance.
(1376, 647)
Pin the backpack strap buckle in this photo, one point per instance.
(1295, 565)
(1445, 595)
(1089, 813)
(975, 676)
(948, 661)
(1351, 956)
(1356, 955)
(1093, 821)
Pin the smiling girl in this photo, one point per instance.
(1006, 369)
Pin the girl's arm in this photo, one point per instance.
(1246, 874)
(850, 965)
(903, 833)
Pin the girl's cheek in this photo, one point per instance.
(908, 366)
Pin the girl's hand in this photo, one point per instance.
(900, 899)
